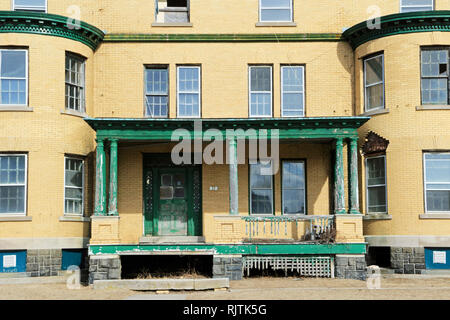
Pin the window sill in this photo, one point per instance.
(432, 107)
(275, 24)
(16, 108)
(375, 112)
(172, 24)
(74, 113)
(74, 219)
(377, 216)
(445, 215)
(14, 218)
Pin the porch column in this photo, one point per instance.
(113, 179)
(339, 188)
(353, 172)
(100, 180)
(233, 163)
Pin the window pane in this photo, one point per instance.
(434, 63)
(275, 3)
(293, 175)
(12, 199)
(375, 171)
(293, 201)
(434, 91)
(374, 70)
(438, 200)
(376, 176)
(292, 79)
(261, 201)
(13, 64)
(377, 199)
(157, 106)
(437, 168)
(416, 5)
(258, 178)
(157, 81)
(276, 15)
(375, 97)
(74, 193)
(260, 79)
(260, 104)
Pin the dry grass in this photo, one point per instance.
(190, 273)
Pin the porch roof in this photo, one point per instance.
(288, 128)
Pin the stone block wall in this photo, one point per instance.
(350, 267)
(227, 267)
(104, 268)
(44, 262)
(407, 260)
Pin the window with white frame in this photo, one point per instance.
(374, 82)
(13, 182)
(261, 188)
(75, 83)
(156, 92)
(376, 184)
(293, 187)
(275, 10)
(416, 5)
(74, 186)
(434, 75)
(30, 5)
(260, 78)
(188, 91)
(437, 181)
(292, 91)
(14, 77)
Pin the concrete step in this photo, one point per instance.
(171, 240)
(163, 284)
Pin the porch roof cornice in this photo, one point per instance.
(146, 128)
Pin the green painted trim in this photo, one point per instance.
(113, 187)
(241, 249)
(50, 25)
(353, 179)
(399, 23)
(100, 179)
(267, 37)
(339, 185)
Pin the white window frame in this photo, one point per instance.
(11, 78)
(25, 184)
(82, 98)
(302, 92)
(425, 183)
(191, 92)
(412, 6)
(250, 192)
(27, 8)
(285, 188)
(291, 10)
(250, 91)
(82, 187)
(374, 84)
(147, 94)
(378, 185)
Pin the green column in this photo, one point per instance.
(339, 188)
(100, 180)
(113, 179)
(353, 172)
(233, 163)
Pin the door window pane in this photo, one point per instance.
(261, 189)
(437, 182)
(376, 185)
(293, 187)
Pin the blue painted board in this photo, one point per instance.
(71, 257)
(429, 254)
(7, 263)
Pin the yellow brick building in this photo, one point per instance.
(143, 129)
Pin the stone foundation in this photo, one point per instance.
(350, 267)
(44, 262)
(407, 260)
(104, 268)
(227, 267)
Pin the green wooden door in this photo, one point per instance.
(172, 213)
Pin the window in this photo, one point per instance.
(13, 77)
(261, 189)
(437, 182)
(73, 186)
(172, 11)
(13, 181)
(75, 93)
(374, 82)
(292, 91)
(275, 10)
(188, 92)
(156, 92)
(376, 184)
(416, 5)
(30, 5)
(435, 76)
(260, 91)
(293, 187)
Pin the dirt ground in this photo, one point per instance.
(263, 288)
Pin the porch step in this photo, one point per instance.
(171, 240)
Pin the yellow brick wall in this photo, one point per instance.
(47, 135)
(408, 130)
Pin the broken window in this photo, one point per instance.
(434, 72)
(172, 11)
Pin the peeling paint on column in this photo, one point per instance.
(113, 179)
(234, 191)
(354, 191)
(100, 180)
(339, 188)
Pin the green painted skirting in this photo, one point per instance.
(400, 23)
(268, 37)
(50, 25)
(240, 249)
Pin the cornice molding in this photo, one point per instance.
(50, 25)
(400, 23)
